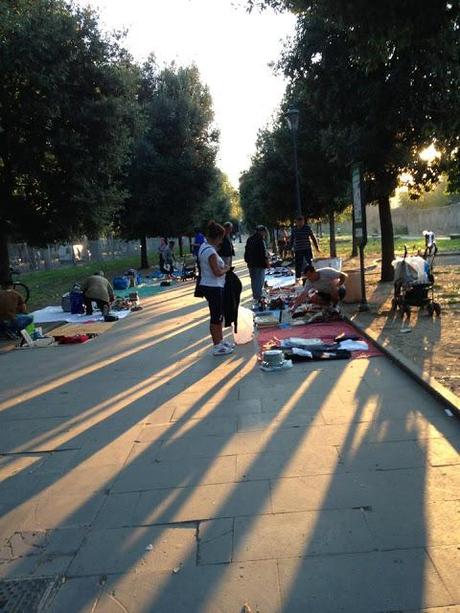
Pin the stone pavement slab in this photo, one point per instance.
(373, 581)
(287, 535)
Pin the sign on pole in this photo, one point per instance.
(360, 230)
(359, 211)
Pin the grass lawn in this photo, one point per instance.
(373, 245)
(47, 287)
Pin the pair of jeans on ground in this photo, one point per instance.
(303, 258)
(257, 281)
(17, 324)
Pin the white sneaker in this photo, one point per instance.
(222, 349)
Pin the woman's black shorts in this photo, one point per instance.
(215, 298)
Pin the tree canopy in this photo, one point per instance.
(67, 113)
(172, 171)
(382, 80)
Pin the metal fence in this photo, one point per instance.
(26, 258)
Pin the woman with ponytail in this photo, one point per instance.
(213, 271)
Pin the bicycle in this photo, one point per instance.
(20, 287)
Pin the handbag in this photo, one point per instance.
(198, 293)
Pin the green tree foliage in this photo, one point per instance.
(436, 197)
(268, 189)
(173, 168)
(384, 80)
(66, 121)
(219, 205)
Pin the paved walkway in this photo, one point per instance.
(149, 475)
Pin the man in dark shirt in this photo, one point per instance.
(226, 250)
(256, 257)
(301, 239)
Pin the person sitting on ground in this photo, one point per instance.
(97, 288)
(212, 283)
(324, 287)
(226, 250)
(13, 317)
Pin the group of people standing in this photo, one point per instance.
(299, 242)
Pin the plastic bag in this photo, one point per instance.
(245, 332)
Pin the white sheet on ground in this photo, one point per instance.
(275, 282)
(55, 313)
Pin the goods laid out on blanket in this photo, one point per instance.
(91, 307)
(315, 342)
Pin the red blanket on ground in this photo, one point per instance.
(326, 332)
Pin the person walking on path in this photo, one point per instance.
(226, 250)
(97, 288)
(198, 240)
(301, 238)
(256, 257)
(212, 283)
(163, 249)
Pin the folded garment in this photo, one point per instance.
(294, 341)
(346, 337)
(354, 345)
(317, 355)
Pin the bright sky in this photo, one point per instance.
(232, 50)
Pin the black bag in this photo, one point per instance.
(198, 293)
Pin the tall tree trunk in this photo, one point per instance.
(4, 257)
(181, 246)
(354, 246)
(332, 244)
(144, 254)
(387, 239)
(190, 244)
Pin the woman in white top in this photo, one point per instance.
(212, 272)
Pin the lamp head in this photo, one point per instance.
(292, 119)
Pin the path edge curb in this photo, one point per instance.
(422, 377)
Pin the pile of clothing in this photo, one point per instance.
(312, 349)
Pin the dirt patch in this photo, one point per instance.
(434, 343)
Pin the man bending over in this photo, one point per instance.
(324, 286)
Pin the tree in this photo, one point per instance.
(219, 204)
(384, 78)
(173, 167)
(66, 121)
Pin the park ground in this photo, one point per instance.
(142, 474)
(434, 344)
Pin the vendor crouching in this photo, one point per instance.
(323, 287)
(97, 288)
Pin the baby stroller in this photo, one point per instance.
(414, 283)
(189, 270)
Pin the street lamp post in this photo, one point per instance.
(292, 120)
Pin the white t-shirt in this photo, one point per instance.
(325, 283)
(208, 278)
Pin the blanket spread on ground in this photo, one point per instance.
(51, 314)
(326, 332)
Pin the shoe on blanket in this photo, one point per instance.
(222, 349)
